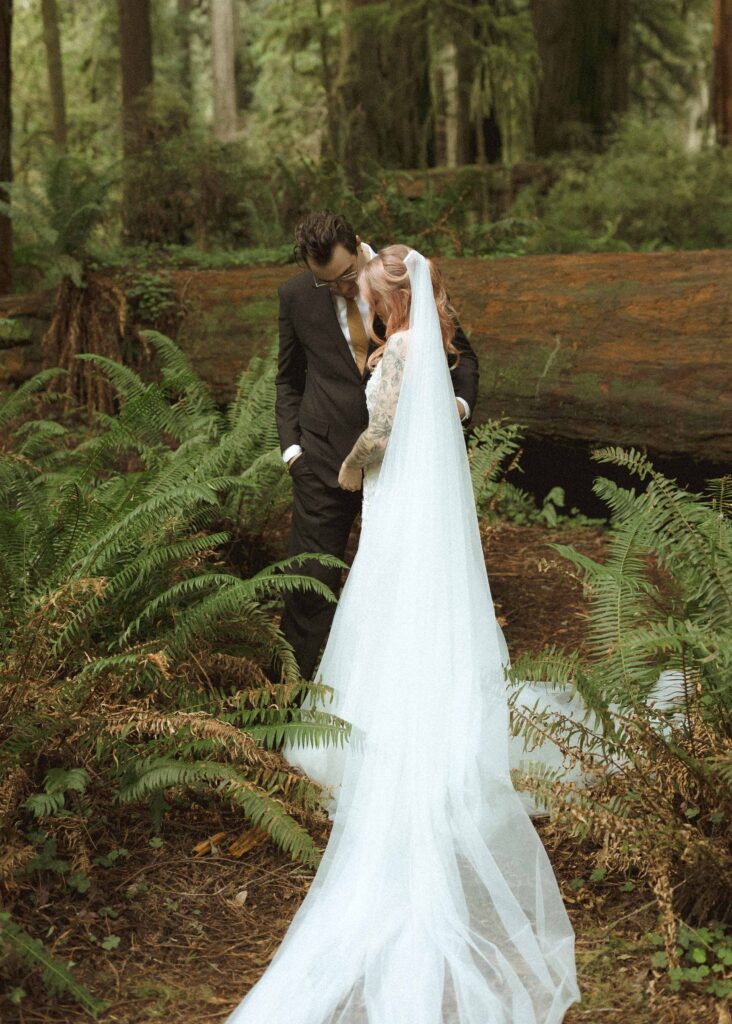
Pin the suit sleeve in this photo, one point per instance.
(465, 375)
(290, 379)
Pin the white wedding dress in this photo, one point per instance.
(435, 901)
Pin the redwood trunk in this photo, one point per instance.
(382, 90)
(722, 80)
(135, 47)
(183, 32)
(6, 122)
(52, 40)
(583, 49)
(611, 348)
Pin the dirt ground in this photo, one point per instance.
(178, 932)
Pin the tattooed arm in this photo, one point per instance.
(373, 441)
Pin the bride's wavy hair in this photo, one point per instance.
(386, 278)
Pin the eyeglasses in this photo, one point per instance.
(350, 275)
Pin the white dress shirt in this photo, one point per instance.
(342, 314)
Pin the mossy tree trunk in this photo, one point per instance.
(6, 122)
(620, 348)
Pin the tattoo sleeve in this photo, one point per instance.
(372, 443)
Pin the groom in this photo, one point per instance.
(321, 407)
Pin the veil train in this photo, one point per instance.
(435, 901)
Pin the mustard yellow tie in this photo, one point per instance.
(359, 337)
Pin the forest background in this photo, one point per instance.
(155, 156)
(215, 125)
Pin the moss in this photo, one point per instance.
(14, 332)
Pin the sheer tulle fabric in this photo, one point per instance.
(435, 902)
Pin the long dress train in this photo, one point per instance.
(435, 901)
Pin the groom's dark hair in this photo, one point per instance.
(318, 234)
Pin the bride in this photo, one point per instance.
(435, 901)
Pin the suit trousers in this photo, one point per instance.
(321, 522)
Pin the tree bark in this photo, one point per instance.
(583, 48)
(52, 40)
(183, 32)
(722, 77)
(6, 123)
(327, 78)
(135, 44)
(382, 90)
(465, 70)
(609, 348)
(224, 78)
(135, 47)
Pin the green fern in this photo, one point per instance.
(56, 975)
(115, 591)
(661, 801)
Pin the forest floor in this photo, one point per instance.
(178, 931)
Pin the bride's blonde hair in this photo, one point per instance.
(386, 278)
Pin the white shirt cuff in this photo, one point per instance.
(466, 407)
(288, 453)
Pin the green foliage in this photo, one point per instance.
(494, 450)
(660, 793)
(151, 296)
(56, 215)
(645, 193)
(244, 197)
(704, 959)
(58, 782)
(133, 656)
(670, 53)
(56, 975)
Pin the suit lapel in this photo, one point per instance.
(323, 300)
(325, 303)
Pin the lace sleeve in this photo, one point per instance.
(373, 441)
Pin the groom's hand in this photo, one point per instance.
(350, 479)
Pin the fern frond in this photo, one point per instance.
(56, 975)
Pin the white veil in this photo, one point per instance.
(435, 902)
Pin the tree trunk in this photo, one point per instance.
(447, 120)
(465, 70)
(327, 78)
(583, 48)
(722, 79)
(222, 61)
(135, 47)
(609, 348)
(6, 167)
(183, 32)
(382, 91)
(54, 63)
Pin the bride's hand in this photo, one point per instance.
(350, 479)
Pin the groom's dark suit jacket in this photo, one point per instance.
(320, 402)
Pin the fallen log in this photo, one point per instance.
(609, 348)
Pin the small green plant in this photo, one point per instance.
(151, 296)
(704, 958)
